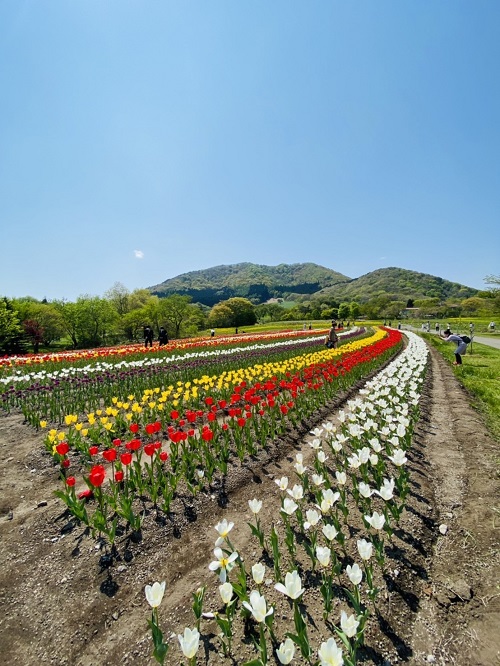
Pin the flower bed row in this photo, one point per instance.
(139, 350)
(337, 520)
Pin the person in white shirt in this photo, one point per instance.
(461, 347)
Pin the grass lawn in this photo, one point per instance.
(480, 374)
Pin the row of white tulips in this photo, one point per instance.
(353, 459)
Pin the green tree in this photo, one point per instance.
(221, 316)
(233, 312)
(89, 321)
(354, 310)
(344, 311)
(10, 329)
(180, 315)
(119, 296)
(48, 320)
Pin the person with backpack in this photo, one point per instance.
(332, 339)
(461, 341)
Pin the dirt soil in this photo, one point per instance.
(65, 600)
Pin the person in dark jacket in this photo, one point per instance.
(162, 336)
(148, 336)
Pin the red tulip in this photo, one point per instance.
(70, 481)
(150, 428)
(126, 458)
(117, 442)
(65, 463)
(149, 449)
(62, 448)
(283, 409)
(241, 422)
(207, 435)
(118, 476)
(174, 414)
(94, 450)
(209, 401)
(109, 455)
(97, 475)
(133, 445)
(163, 456)
(85, 494)
(134, 428)
(211, 416)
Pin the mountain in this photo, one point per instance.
(259, 283)
(399, 284)
(253, 281)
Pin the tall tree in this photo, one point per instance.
(10, 328)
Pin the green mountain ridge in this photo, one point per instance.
(259, 283)
(256, 282)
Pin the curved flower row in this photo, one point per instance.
(103, 366)
(126, 350)
(231, 386)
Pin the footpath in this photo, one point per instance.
(482, 340)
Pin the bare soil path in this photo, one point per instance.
(65, 601)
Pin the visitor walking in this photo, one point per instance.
(162, 336)
(148, 336)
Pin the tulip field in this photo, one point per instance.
(302, 569)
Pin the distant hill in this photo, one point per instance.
(398, 284)
(259, 283)
(256, 282)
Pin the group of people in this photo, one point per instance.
(149, 336)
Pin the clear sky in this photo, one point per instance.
(144, 139)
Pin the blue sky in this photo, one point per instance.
(144, 139)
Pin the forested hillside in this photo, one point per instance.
(398, 284)
(259, 283)
(256, 282)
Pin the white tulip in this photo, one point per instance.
(348, 624)
(189, 642)
(376, 520)
(258, 573)
(258, 606)
(354, 573)
(292, 587)
(286, 651)
(330, 654)
(255, 506)
(330, 532)
(323, 554)
(154, 594)
(226, 592)
(365, 549)
(289, 506)
(282, 483)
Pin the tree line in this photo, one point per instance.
(27, 324)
